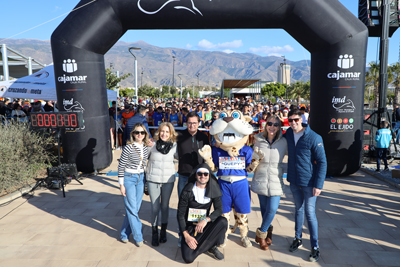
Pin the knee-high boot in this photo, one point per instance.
(163, 233)
(228, 217)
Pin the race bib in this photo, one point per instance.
(196, 214)
(184, 124)
(159, 123)
(174, 123)
(263, 124)
(232, 163)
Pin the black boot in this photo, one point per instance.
(269, 235)
(163, 233)
(154, 238)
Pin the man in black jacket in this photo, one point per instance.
(189, 143)
(202, 231)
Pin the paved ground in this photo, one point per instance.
(359, 225)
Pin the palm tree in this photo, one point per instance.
(299, 90)
(394, 69)
(372, 79)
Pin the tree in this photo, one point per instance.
(299, 90)
(112, 80)
(372, 79)
(394, 69)
(273, 89)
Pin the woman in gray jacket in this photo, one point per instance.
(160, 176)
(268, 176)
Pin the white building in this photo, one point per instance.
(284, 73)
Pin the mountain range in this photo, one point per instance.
(155, 64)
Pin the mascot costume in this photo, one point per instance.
(232, 159)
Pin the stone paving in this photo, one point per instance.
(358, 215)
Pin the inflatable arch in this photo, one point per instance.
(336, 39)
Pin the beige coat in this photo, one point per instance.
(268, 177)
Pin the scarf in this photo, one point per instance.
(163, 147)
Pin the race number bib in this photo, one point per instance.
(159, 123)
(174, 123)
(263, 124)
(232, 163)
(196, 214)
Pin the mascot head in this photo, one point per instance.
(231, 131)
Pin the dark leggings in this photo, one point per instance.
(213, 235)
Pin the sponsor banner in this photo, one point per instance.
(341, 125)
(345, 62)
(24, 91)
(70, 66)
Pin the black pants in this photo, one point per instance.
(382, 152)
(213, 235)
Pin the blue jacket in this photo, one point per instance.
(131, 122)
(306, 160)
(383, 137)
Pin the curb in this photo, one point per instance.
(390, 182)
(16, 194)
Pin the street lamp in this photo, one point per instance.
(179, 75)
(284, 75)
(198, 81)
(193, 90)
(141, 79)
(136, 89)
(173, 71)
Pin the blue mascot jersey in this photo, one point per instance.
(235, 166)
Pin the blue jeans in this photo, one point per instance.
(382, 152)
(181, 183)
(134, 187)
(268, 206)
(304, 201)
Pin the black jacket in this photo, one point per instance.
(188, 150)
(212, 191)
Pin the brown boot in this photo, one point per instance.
(260, 238)
(269, 235)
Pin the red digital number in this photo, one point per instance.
(53, 122)
(60, 121)
(46, 120)
(34, 120)
(67, 122)
(74, 121)
(40, 120)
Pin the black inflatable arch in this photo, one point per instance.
(336, 39)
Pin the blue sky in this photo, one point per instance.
(38, 19)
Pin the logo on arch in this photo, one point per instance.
(70, 66)
(345, 61)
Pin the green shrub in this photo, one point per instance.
(24, 155)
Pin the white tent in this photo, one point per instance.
(40, 85)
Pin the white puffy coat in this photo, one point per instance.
(268, 176)
(160, 167)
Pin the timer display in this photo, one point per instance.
(57, 120)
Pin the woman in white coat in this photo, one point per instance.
(268, 176)
(160, 176)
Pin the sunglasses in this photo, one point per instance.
(139, 132)
(202, 173)
(273, 124)
(296, 120)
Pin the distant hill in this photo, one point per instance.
(156, 63)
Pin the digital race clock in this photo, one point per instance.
(61, 119)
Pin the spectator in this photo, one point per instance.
(48, 107)
(19, 114)
(160, 176)
(382, 138)
(304, 115)
(158, 116)
(306, 175)
(138, 118)
(200, 193)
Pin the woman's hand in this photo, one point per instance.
(200, 226)
(122, 189)
(190, 241)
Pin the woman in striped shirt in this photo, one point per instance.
(131, 179)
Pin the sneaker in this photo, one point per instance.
(297, 243)
(215, 253)
(124, 240)
(180, 241)
(246, 242)
(386, 169)
(118, 148)
(314, 256)
(377, 170)
(139, 244)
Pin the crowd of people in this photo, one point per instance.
(159, 132)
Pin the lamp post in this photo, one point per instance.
(284, 75)
(193, 89)
(198, 81)
(179, 75)
(136, 89)
(173, 71)
(141, 79)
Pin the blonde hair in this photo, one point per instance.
(132, 138)
(173, 135)
(276, 118)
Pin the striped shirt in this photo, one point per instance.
(130, 160)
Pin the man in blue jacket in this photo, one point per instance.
(306, 175)
(382, 138)
(140, 116)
